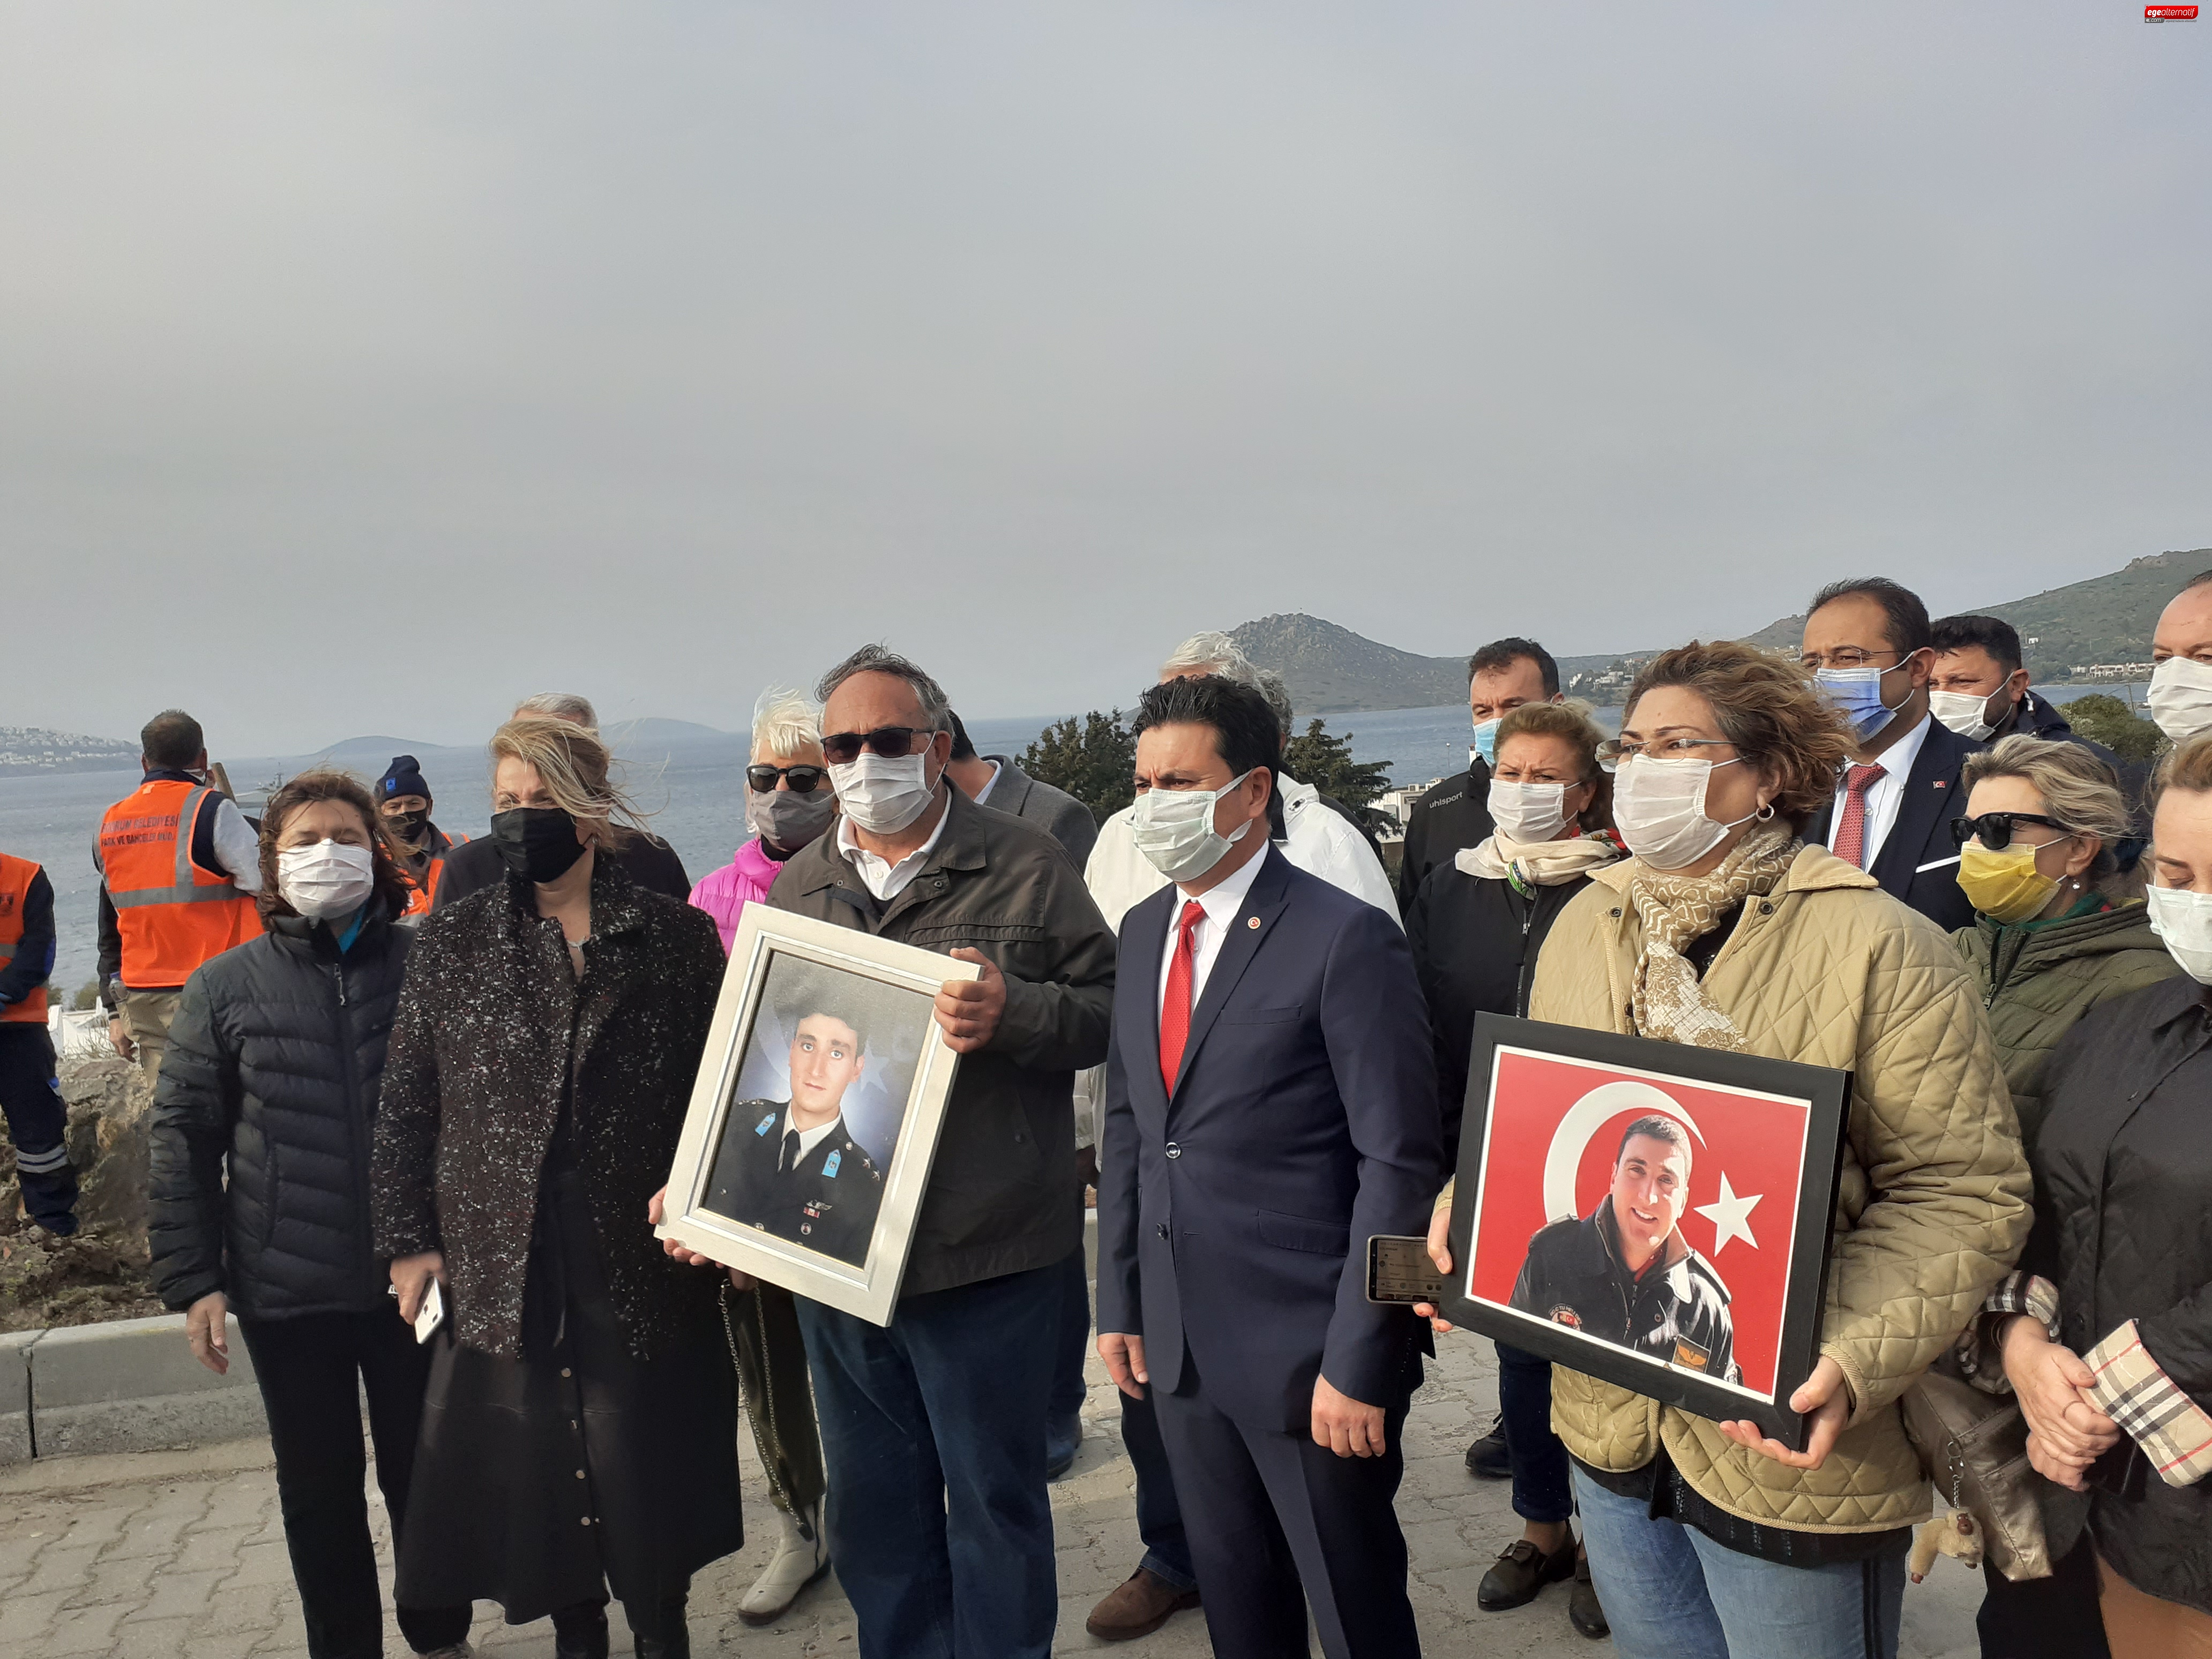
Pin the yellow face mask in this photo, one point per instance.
(2005, 887)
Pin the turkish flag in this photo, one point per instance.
(1550, 1138)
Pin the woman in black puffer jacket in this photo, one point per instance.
(274, 1063)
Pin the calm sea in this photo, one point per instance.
(695, 792)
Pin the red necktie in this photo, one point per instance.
(1851, 834)
(1175, 1012)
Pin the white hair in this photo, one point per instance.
(1213, 652)
(561, 706)
(786, 722)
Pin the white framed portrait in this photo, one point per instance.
(807, 1145)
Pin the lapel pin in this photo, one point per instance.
(1252, 921)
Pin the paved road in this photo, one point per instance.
(180, 1555)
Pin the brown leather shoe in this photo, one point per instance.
(1521, 1574)
(1140, 1605)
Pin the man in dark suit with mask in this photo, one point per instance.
(1870, 648)
(1270, 1104)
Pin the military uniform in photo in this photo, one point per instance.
(823, 1194)
(1676, 1310)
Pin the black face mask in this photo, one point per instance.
(408, 826)
(537, 843)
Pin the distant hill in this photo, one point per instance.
(1331, 670)
(2105, 619)
(632, 734)
(377, 752)
(28, 749)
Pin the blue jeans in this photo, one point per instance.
(1160, 1511)
(933, 1431)
(1540, 1461)
(1672, 1593)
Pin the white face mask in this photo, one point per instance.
(325, 880)
(1963, 712)
(1529, 811)
(2184, 921)
(1173, 829)
(882, 796)
(2181, 697)
(1659, 807)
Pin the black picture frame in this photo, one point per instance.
(1825, 1094)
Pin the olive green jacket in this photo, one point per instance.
(2036, 980)
(1932, 1207)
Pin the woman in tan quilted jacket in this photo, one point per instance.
(1726, 931)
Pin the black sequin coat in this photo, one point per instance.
(490, 1016)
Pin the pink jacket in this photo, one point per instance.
(723, 894)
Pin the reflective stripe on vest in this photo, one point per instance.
(16, 878)
(169, 929)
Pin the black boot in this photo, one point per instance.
(581, 1632)
(664, 1635)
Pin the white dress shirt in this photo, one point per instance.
(1886, 793)
(989, 784)
(885, 880)
(1224, 904)
(808, 1139)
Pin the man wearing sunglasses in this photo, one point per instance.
(1869, 646)
(951, 1396)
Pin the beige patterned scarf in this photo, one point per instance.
(1670, 1002)
(1529, 864)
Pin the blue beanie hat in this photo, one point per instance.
(403, 777)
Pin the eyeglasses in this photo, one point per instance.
(804, 780)
(891, 742)
(1994, 830)
(1848, 656)
(1612, 751)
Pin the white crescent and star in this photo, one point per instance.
(1730, 1214)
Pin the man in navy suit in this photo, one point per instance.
(1869, 645)
(1270, 1104)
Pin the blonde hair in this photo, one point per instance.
(2079, 790)
(786, 722)
(575, 766)
(1571, 722)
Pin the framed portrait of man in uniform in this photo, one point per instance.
(1649, 1213)
(815, 1116)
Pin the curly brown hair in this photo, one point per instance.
(1767, 707)
(1566, 720)
(288, 798)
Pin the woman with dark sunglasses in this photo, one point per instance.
(789, 802)
(2046, 858)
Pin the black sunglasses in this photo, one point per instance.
(804, 780)
(891, 742)
(1994, 830)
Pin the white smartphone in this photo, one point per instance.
(432, 1314)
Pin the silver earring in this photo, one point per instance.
(1765, 813)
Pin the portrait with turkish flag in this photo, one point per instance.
(1648, 1212)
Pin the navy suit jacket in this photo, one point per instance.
(1922, 834)
(1233, 1217)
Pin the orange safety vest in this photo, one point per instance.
(15, 877)
(172, 915)
(423, 890)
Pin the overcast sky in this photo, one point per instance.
(363, 367)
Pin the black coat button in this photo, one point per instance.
(1174, 1151)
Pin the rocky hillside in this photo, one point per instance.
(1332, 670)
(25, 749)
(2107, 619)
